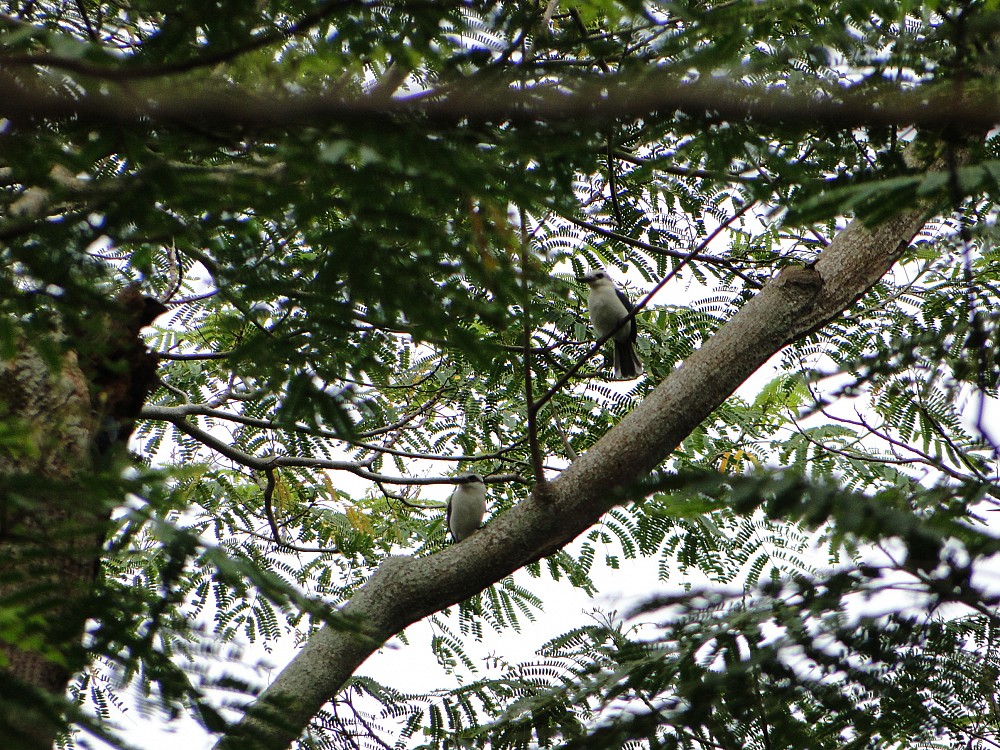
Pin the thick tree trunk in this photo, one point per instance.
(404, 590)
(65, 417)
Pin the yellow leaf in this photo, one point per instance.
(282, 494)
(735, 458)
(359, 521)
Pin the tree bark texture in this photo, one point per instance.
(48, 538)
(67, 408)
(403, 590)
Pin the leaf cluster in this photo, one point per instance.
(362, 305)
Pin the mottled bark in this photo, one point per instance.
(67, 408)
(49, 536)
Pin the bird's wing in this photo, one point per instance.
(627, 304)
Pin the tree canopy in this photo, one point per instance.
(349, 233)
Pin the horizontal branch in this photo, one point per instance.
(572, 101)
(174, 414)
(268, 463)
(193, 356)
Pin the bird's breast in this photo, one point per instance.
(606, 312)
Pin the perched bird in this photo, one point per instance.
(466, 506)
(608, 307)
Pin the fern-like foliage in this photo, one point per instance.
(366, 220)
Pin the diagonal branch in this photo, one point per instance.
(637, 308)
(404, 590)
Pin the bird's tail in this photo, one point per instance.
(628, 366)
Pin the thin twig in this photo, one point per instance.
(570, 452)
(173, 413)
(263, 463)
(288, 546)
(638, 308)
(268, 507)
(532, 410)
(192, 356)
(130, 72)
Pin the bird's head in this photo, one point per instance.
(470, 478)
(595, 278)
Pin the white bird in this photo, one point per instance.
(609, 306)
(466, 506)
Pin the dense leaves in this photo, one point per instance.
(365, 220)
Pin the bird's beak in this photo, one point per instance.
(584, 279)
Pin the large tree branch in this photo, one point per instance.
(404, 590)
(604, 99)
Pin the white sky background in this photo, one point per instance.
(414, 668)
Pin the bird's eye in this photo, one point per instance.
(600, 276)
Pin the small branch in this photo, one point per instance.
(400, 498)
(268, 507)
(184, 398)
(213, 268)
(638, 308)
(412, 385)
(664, 165)
(291, 547)
(537, 464)
(174, 413)
(266, 463)
(82, 10)
(726, 263)
(195, 298)
(127, 72)
(403, 421)
(962, 453)
(366, 725)
(570, 451)
(616, 208)
(192, 356)
(921, 456)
